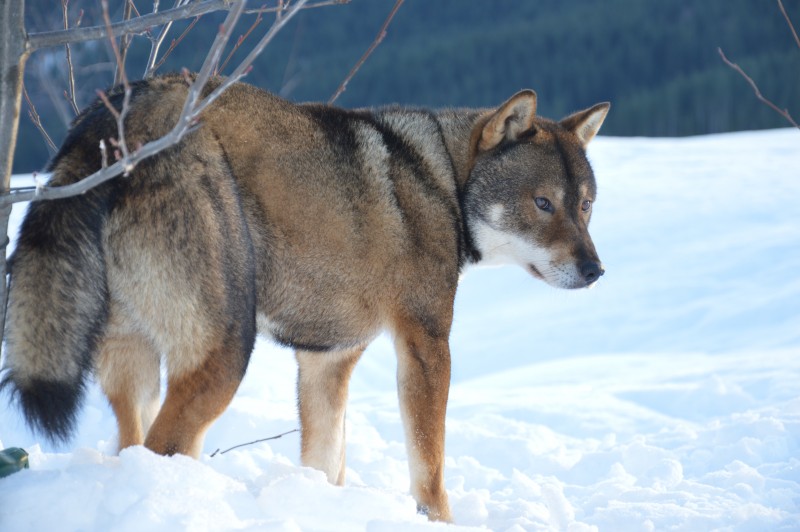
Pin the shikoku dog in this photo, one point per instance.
(314, 225)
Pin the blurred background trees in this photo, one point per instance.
(656, 61)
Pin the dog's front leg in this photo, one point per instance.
(423, 383)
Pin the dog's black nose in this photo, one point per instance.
(591, 271)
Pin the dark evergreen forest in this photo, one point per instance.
(655, 60)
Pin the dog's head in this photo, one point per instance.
(530, 193)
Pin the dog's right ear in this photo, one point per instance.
(512, 119)
(585, 124)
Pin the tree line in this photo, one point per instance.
(656, 61)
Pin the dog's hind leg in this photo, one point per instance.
(129, 373)
(194, 400)
(322, 383)
(181, 263)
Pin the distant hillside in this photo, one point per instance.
(655, 61)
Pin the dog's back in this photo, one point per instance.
(352, 218)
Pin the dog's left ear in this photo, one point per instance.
(512, 119)
(585, 124)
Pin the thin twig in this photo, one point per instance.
(283, 6)
(70, 69)
(378, 39)
(120, 77)
(783, 112)
(126, 98)
(187, 121)
(240, 40)
(215, 453)
(37, 121)
(212, 60)
(103, 154)
(137, 25)
(789, 22)
(247, 63)
(156, 42)
(134, 10)
(173, 44)
(124, 41)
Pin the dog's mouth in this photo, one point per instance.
(569, 282)
(536, 273)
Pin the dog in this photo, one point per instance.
(317, 226)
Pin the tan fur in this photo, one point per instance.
(193, 402)
(319, 226)
(423, 380)
(510, 121)
(129, 373)
(585, 124)
(322, 399)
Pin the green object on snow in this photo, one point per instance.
(12, 460)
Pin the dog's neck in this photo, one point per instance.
(459, 128)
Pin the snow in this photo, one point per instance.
(667, 398)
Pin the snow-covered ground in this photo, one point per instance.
(667, 398)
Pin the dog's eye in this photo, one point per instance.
(586, 205)
(544, 204)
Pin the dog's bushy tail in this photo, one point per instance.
(57, 309)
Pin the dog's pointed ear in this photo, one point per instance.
(585, 124)
(511, 120)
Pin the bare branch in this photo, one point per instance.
(789, 22)
(70, 69)
(783, 112)
(103, 154)
(173, 44)
(187, 121)
(141, 24)
(246, 64)
(133, 9)
(241, 39)
(124, 42)
(34, 116)
(155, 42)
(378, 39)
(136, 25)
(215, 453)
(126, 98)
(212, 59)
(283, 6)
